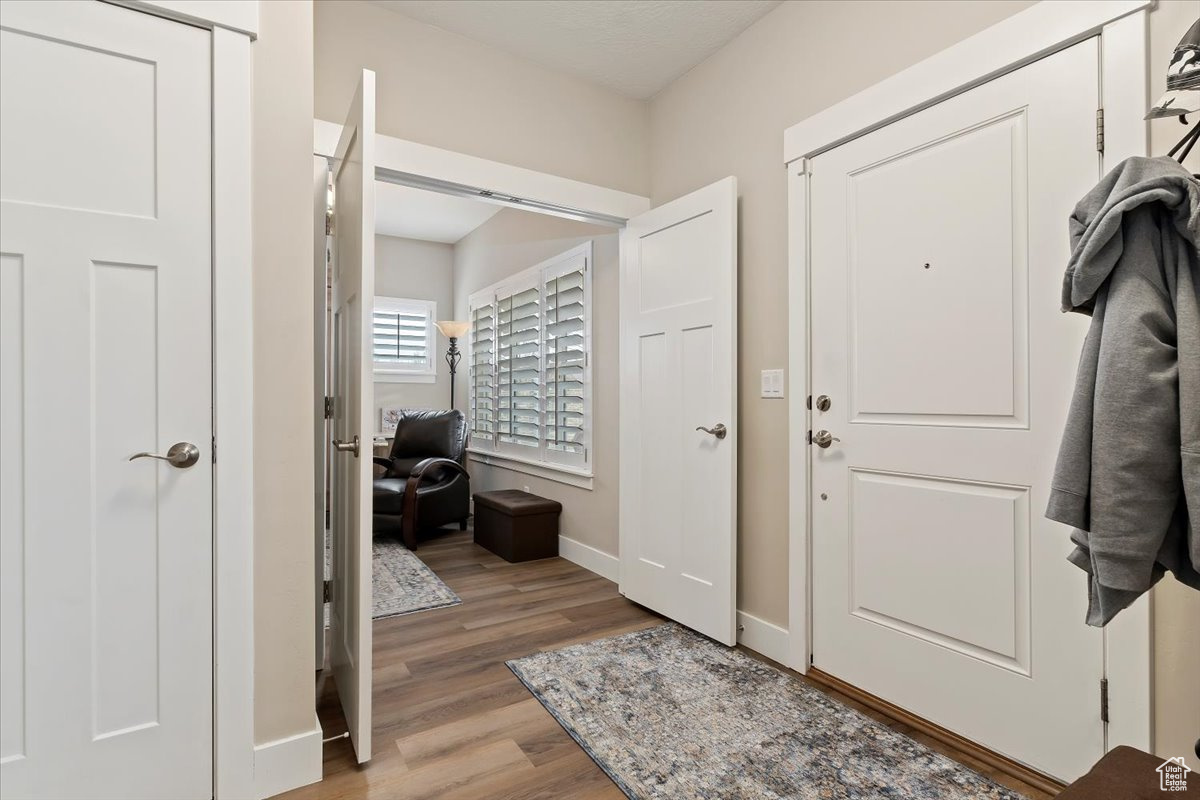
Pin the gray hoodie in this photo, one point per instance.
(1128, 473)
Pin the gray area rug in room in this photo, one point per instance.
(670, 714)
(401, 583)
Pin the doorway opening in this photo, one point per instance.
(563, 324)
(535, 390)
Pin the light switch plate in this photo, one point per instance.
(772, 383)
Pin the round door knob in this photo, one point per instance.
(824, 438)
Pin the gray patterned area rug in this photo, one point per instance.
(401, 582)
(669, 714)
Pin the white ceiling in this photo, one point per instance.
(633, 48)
(431, 216)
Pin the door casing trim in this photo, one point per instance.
(234, 26)
(1019, 40)
(233, 418)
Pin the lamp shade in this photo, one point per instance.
(453, 330)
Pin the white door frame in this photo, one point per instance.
(411, 159)
(1025, 37)
(234, 26)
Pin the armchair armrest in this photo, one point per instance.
(409, 518)
(380, 461)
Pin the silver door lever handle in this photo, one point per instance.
(347, 447)
(823, 439)
(717, 430)
(181, 455)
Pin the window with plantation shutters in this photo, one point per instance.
(530, 364)
(402, 338)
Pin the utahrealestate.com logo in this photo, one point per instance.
(1173, 775)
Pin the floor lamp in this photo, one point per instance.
(453, 331)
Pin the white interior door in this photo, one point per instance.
(938, 247)
(105, 352)
(353, 294)
(678, 365)
(321, 432)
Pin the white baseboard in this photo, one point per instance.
(763, 637)
(588, 557)
(288, 763)
(754, 633)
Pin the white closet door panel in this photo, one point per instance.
(678, 362)
(106, 273)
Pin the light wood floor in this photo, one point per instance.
(452, 722)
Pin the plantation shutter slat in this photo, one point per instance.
(483, 374)
(565, 363)
(518, 364)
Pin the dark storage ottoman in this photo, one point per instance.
(517, 526)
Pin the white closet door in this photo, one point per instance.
(679, 410)
(105, 351)
(938, 248)
(353, 301)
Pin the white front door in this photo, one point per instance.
(679, 410)
(938, 248)
(350, 513)
(105, 352)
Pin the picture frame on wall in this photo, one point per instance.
(389, 418)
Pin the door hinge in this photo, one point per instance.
(328, 591)
(1104, 699)
(328, 407)
(1100, 130)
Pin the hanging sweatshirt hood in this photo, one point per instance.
(1097, 238)
(1128, 473)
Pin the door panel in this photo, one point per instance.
(938, 246)
(886, 299)
(321, 361)
(678, 353)
(106, 271)
(353, 290)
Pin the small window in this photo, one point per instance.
(402, 336)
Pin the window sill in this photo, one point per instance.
(559, 473)
(404, 377)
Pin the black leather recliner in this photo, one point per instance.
(426, 483)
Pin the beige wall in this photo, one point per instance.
(416, 270)
(724, 117)
(1176, 607)
(284, 695)
(440, 89)
(509, 242)
(727, 117)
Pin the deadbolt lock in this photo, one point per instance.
(823, 403)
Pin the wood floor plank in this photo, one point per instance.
(452, 721)
(521, 722)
